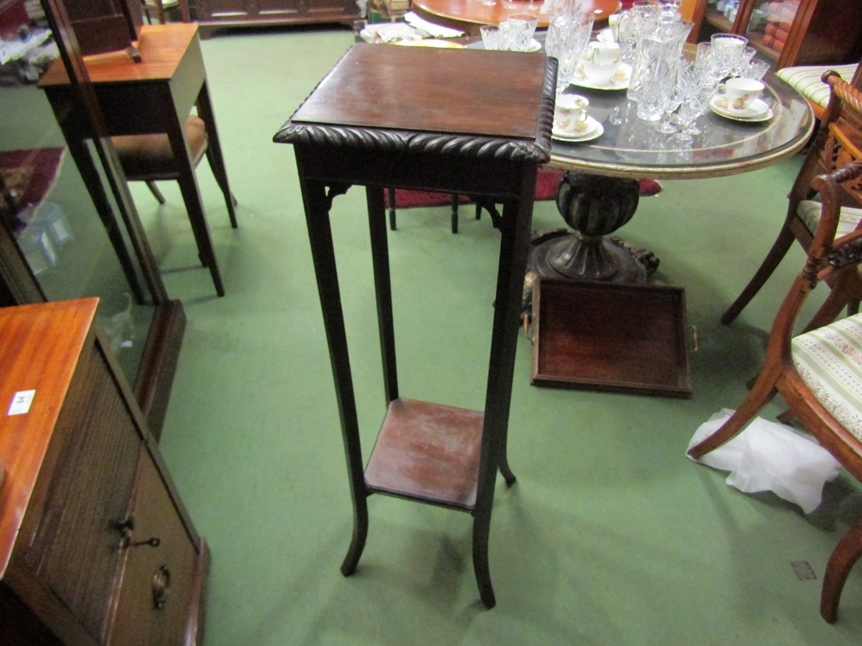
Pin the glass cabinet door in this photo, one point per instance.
(47, 215)
(769, 25)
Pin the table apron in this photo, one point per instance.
(498, 178)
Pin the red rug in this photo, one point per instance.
(547, 182)
(27, 177)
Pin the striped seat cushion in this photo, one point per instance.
(805, 79)
(829, 360)
(809, 212)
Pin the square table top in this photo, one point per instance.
(162, 48)
(485, 94)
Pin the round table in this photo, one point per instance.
(631, 149)
(469, 15)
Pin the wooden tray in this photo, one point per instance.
(604, 336)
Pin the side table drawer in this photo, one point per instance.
(158, 587)
(75, 549)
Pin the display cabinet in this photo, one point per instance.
(96, 546)
(214, 14)
(787, 32)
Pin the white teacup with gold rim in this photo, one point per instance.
(570, 114)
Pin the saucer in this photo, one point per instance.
(619, 81)
(594, 130)
(534, 46)
(757, 111)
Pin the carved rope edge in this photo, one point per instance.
(546, 110)
(413, 142)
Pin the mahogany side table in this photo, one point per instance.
(460, 121)
(151, 97)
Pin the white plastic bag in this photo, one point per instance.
(767, 456)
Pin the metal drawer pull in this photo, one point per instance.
(152, 542)
(160, 584)
(126, 527)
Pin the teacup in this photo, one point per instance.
(741, 93)
(570, 114)
(601, 61)
(603, 52)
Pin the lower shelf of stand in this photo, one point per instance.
(427, 452)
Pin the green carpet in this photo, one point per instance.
(610, 536)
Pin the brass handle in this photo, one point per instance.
(159, 585)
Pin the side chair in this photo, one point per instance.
(808, 81)
(837, 142)
(148, 158)
(819, 372)
(455, 199)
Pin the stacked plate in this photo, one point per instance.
(591, 129)
(619, 81)
(754, 113)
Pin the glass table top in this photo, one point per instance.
(631, 147)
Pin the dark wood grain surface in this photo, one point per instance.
(424, 89)
(38, 342)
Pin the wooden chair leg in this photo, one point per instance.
(155, 191)
(779, 249)
(847, 552)
(454, 213)
(391, 196)
(753, 402)
(220, 174)
(194, 208)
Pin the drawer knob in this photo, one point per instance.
(152, 542)
(160, 584)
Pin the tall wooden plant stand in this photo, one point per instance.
(462, 121)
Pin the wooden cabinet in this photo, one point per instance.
(95, 544)
(788, 32)
(213, 14)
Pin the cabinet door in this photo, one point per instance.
(770, 25)
(75, 549)
(225, 9)
(280, 9)
(156, 595)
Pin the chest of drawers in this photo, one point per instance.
(96, 546)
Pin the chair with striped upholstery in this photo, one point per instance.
(808, 81)
(818, 373)
(837, 142)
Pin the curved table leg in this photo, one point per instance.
(481, 531)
